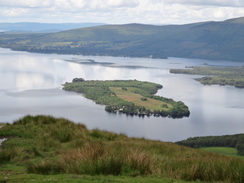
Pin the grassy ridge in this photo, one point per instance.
(48, 146)
(233, 76)
(130, 97)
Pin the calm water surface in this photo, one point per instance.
(31, 84)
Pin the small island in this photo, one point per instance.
(233, 76)
(130, 97)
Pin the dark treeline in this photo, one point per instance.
(235, 141)
(179, 110)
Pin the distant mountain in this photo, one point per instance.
(42, 27)
(207, 40)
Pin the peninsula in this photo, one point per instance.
(233, 76)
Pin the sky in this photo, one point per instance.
(120, 11)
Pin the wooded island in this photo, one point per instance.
(131, 97)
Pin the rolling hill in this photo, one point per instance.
(207, 40)
(42, 27)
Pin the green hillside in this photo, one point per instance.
(207, 40)
(48, 149)
(234, 141)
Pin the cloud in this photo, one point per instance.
(14, 12)
(122, 3)
(120, 11)
(25, 3)
(226, 3)
(93, 4)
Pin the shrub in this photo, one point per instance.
(143, 99)
(240, 148)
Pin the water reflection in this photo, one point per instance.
(30, 84)
(32, 80)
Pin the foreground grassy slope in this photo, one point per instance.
(208, 40)
(43, 147)
(21, 177)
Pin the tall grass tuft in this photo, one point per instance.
(44, 167)
(141, 161)
(10, 154)
(230, 170)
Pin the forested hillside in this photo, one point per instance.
(206, 40)
(236, 141)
